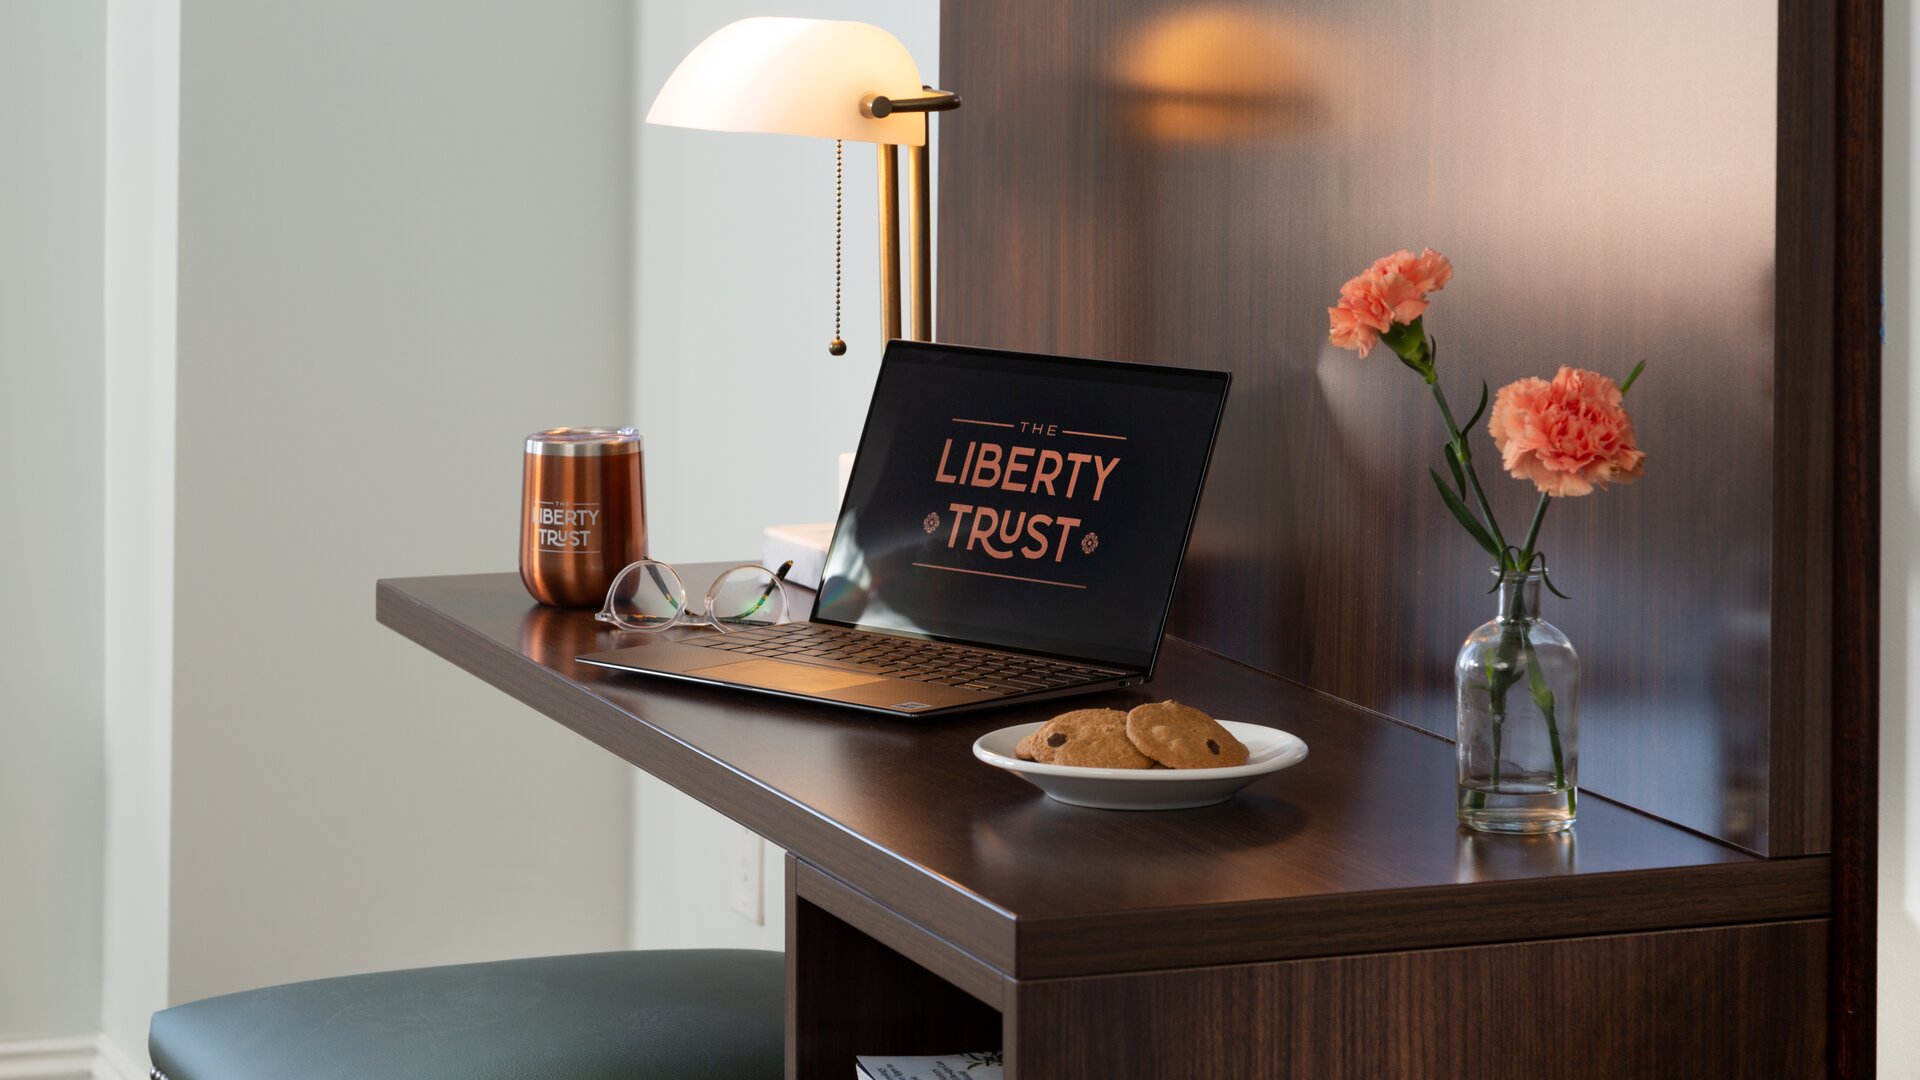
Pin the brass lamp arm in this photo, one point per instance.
(919, 214)
(880, 106)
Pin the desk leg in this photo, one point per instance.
(847, 995)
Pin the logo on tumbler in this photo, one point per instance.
(567, 528)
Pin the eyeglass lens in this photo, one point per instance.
(747, 596)
(649, 595)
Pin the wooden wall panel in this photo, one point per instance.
(1859, 35)
(1179, 183)
(1799, 762)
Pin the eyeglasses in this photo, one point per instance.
(648, 596)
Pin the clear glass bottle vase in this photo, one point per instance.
(1517, 717)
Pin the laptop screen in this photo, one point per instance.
(1026, 502)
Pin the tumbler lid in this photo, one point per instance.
(584, 441)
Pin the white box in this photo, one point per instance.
(806, 545)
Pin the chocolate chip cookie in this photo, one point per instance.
(1183, 737)
(1093, 738)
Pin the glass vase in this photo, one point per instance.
(1517, 717)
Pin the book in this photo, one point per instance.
(981, 1066)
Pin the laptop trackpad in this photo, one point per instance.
(780, 675)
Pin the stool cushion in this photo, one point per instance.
(694, 1014)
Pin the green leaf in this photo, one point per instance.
(1460, 511)
(1453, 462)
(1633, 375)
(1512, 556)
(1551, 587)
(1475, 418)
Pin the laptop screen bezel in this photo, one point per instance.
(902, 350)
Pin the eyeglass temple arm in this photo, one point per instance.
(778, 576)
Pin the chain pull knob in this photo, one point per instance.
(837, 347)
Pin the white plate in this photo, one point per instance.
(1268, 750)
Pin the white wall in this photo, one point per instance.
(1900, 573)
(52, 140)
(734, 302)
(141, 211)
(403, 245)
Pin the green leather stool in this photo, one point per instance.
(694, 1014)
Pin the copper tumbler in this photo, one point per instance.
(583, 514)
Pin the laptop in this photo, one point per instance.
(1012, 531)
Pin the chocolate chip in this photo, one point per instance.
(1059, 739)
(1213, 746)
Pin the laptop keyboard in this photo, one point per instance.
(903, 658)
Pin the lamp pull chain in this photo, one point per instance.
(837, 347)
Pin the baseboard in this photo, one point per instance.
(113, 1063)
(49, 1059)
(81, 1057)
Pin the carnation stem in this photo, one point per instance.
(1542, 694)
(1533, 531)
(1416, 351)
(1514, 643)
(1465, 456)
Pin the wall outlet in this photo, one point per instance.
(749, 879)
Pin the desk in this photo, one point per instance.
(1330, 922)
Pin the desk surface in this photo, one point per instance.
(1354, 850)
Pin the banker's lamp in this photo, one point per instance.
(831, 80)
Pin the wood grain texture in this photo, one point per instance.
(1128, 181)
(1859, 72)
(898, 931)
(1354, 850)
(848, 994)
(1736, 1002)
(1799, 762)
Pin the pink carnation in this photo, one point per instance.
(1393, 290)
(1429, 271)
(1348, 331)
(1568, 436)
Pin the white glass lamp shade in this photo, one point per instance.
(794, 77)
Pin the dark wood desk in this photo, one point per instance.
(1330, 922)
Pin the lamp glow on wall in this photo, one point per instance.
(831, 80)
